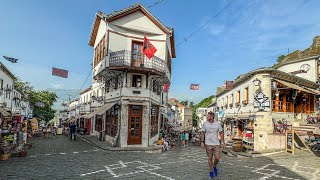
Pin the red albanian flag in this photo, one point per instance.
(166, 87)
(148, 49)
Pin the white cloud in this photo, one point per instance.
(216, 29)
(56, 85)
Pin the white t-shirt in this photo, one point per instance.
(212, 131)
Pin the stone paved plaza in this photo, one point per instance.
(60, 158)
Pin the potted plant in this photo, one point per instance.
(4, 151)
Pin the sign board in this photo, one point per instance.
(290, 142)
(220, 114)
(303, 69)
(261, 101)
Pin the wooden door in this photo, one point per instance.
(136, 54)
(134, 124)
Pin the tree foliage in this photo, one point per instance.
(44, 112)
(185, 102)
(191, 104)
(280, 58)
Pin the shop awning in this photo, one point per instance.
(72, 119)
(4, 112)
(101, 110)
(104, 108)
(78, 116)
(293, 86)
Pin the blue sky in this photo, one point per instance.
(247, 35)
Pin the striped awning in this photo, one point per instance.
(101, 110)
(72, 119)
(4, 112)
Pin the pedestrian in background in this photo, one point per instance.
(72, 131)
(25, 131)
(187, 138)
(183, 139)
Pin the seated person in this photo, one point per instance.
(160, 141)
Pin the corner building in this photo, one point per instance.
(127, 85)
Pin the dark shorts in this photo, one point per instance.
(213, 150)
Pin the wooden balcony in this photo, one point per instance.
(285, 103)
(122, 60)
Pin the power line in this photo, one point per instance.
(206, 23)
(82, 85)
(159, 1)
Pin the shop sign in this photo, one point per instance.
(290, 141)
(303, 69)
(261, 101)
(220, 114)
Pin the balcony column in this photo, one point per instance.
(284, 105)
(277, 103)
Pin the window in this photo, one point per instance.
(156, 87)
(137, 51)
(238, 96)
(100, 51)
(98, 123)
(112, 84)
(246, 90)
(112, 122)
(1, 84)
(154, 120)
(232, 99)
(227, 101)
(169, 62)
(136, 81)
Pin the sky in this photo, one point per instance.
(245, 36)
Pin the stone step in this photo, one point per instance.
(312, 125)
(303, 129)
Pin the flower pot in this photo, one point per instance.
(4, 157)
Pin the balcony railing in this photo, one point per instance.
(124, 58)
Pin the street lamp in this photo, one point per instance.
(257, 82)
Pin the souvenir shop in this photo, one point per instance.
(239, 134)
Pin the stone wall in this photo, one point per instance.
(263, 124)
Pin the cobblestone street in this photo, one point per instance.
(60, 158)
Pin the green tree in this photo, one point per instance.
(280, 58)
(195, 118)
(185, 102)
(44, 112)
(191, 104)
(24, 87)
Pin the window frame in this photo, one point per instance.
(135, 82)
(246, 93)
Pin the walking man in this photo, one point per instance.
(210, 141)
(72, 131)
